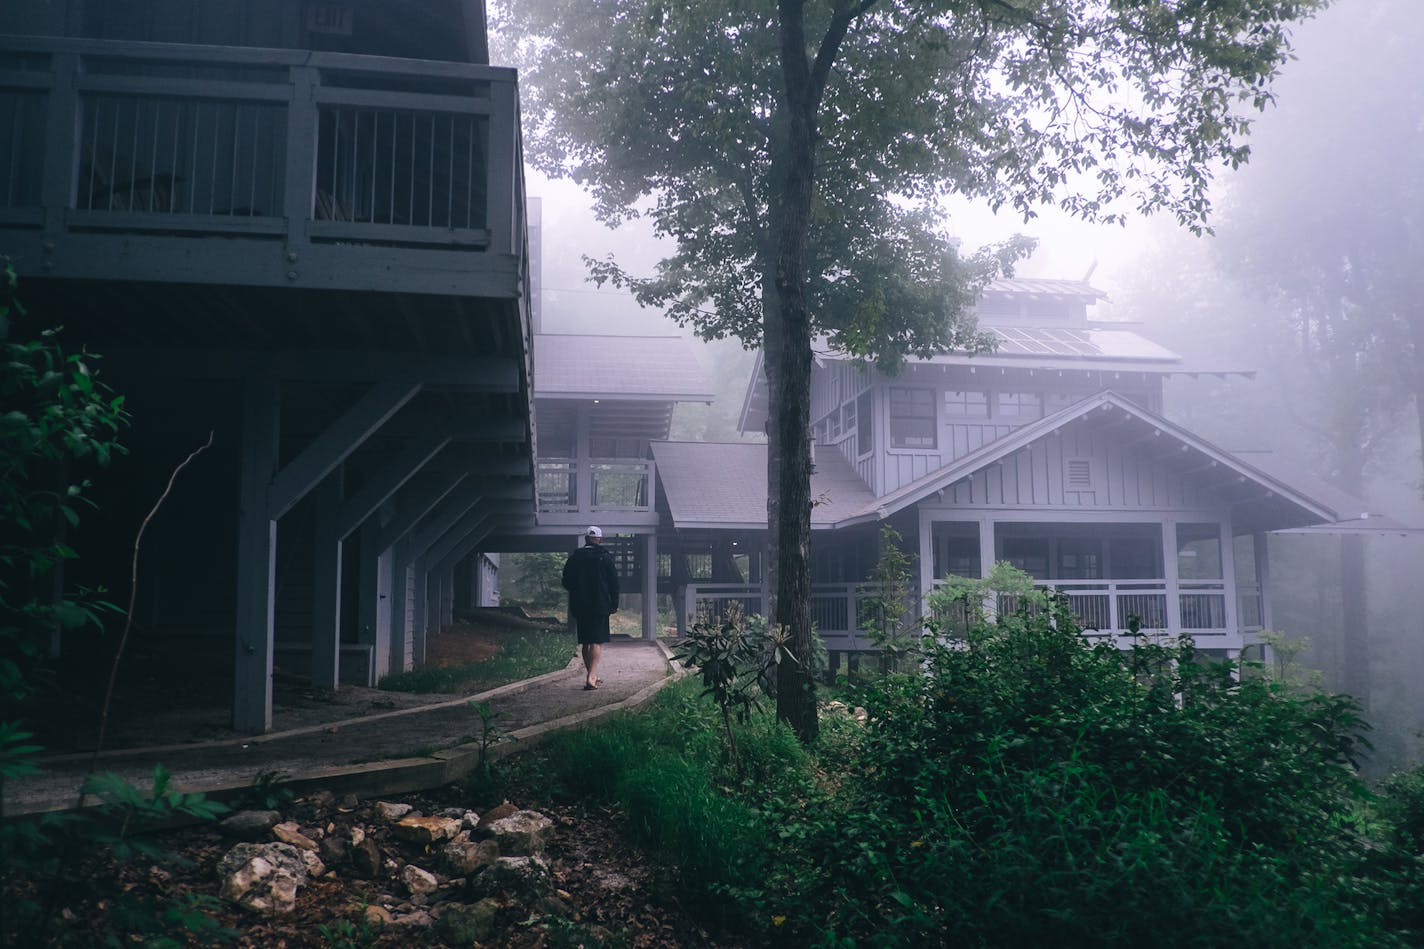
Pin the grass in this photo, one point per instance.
(523, 654)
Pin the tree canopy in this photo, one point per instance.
(667, 110)
(797, 154)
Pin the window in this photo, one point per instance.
(1058, 401)
(1080, 558)
(1019, 405)
(1136, 558)
(961, 557)
(966, 404)
(1199, 552)
(865, 425)
(848, 417)
(1029, 554)
(912, 418)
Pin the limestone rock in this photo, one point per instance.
(523, 877)
(519, 834)
(290, 833)
(249, 825)
(366, 858)
(425, 830)
(464, 857)
(315, 868)
(389, 811)
(335, 850)
(263, 878)
(418, 882)
(462, 925)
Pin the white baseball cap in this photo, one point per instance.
(594, 532)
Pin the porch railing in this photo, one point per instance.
(1102, 606)
(310, 146)
(615, 485)
(837, 609)
(1106, 606)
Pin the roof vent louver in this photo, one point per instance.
(1078, 474)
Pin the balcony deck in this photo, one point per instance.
(260, 167)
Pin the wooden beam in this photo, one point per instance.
(385, 483)
(438, 372)
(339, 440)
(417, 500)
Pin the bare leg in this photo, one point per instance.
(592, 652)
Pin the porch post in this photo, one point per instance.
(1228, 577)
(256, 558)
(650, 585)
(326, 586)
(927, 577)
(987, 549)
(447, 599)
(1169, 573)
(1260, 551)
(369, 602)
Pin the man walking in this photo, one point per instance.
(592, 581)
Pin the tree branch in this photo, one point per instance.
(128, 617)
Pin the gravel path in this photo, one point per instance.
(322, 739)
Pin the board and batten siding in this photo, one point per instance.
(1081, 467)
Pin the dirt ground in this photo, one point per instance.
(613, 893)
(169, 692)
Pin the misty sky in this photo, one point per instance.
(1067, 248)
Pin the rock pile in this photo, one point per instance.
(454, 871)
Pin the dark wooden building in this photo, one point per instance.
(300, 226)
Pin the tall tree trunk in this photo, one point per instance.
(790, 333)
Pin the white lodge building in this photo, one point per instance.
(1050, 453)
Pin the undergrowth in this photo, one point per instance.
(523, 654)
(1023, 787)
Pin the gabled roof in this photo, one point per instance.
(652, 368)
(723, 485)
(1262, 500)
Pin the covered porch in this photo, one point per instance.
(1182, 574)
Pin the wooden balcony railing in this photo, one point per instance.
(305, 149)
(624, 485)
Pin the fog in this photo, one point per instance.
(1335, 182)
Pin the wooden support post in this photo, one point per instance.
(62, 145)
(1263, 575)
(926, 565)
(326, 586)
(1232, 618)
(650, 585)
(1170, 573)
(399, 606)
(447, 600)
(256, 558)
(421, 614)
(368, 601)
(386, 592)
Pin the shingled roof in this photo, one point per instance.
(619, 367)
(723, 485)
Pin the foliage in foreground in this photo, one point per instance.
(1027, 788)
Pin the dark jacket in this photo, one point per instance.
(592, 581)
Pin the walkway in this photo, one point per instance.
(389, 752)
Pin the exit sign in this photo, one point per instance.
(330, 18)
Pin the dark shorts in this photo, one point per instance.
(592, 629)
